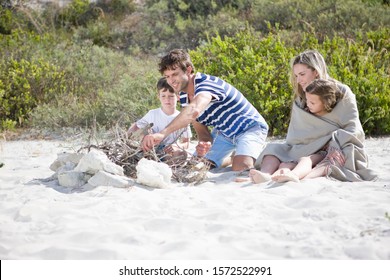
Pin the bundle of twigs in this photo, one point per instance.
(125, 150)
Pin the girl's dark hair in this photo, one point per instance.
(328, 92)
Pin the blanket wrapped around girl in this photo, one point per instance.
(324, 137)
(340, 130)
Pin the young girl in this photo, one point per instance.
(321, 97)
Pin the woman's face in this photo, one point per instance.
(304, 75)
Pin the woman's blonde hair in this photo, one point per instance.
(315, 61)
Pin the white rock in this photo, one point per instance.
(72, 179)
(153, 174)
(103, 178)
(64, 158)
(68, 166)
(96, 161)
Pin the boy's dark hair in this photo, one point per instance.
(175, 58)
(163, 84)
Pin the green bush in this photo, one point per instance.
(108, 87)
(184, 24)
(57, 83)
(364, 65)
(5, 21)
(322, 17)
(259, 68)
(256, 66)
(168, 24)
(75, 14)
(68, 66)
(25, 84)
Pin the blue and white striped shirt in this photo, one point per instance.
(229, 111)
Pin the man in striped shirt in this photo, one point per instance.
(208, 101)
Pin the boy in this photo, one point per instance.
(209, 101)
(176, 142)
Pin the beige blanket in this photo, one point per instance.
(341, 128)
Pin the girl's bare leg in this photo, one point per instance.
(285, 176)
(302, 169)
(316, 172)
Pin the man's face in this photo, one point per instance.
(177, 78)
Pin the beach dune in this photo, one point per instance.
(217, 219)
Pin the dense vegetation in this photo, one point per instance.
(94, 64)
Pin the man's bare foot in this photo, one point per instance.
(286, 177)
(258, 176)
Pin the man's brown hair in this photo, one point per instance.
(174, 59)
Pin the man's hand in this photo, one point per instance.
(151, 140)
(202, 148)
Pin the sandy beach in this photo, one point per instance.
(317, 219)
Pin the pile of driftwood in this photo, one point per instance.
(125, 150)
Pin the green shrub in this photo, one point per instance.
(322, 17)
(364, 65)
(61, 66)
(24, 85)
(259, 68)
(184, 24)
(75, 14)
(117, 7)
(256, 66)
(109, 87)
(5, 21)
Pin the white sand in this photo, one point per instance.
(218, 219)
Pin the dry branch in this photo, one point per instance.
(125, 150)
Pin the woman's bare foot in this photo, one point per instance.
(286, 177)
(258, 176)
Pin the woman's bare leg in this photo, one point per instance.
(258, 177)
(268, 166)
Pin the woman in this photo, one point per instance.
(307, 134)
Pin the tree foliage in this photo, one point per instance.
(96, 61)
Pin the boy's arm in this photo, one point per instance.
(187, 115)
(138, 133)
(132, 128)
